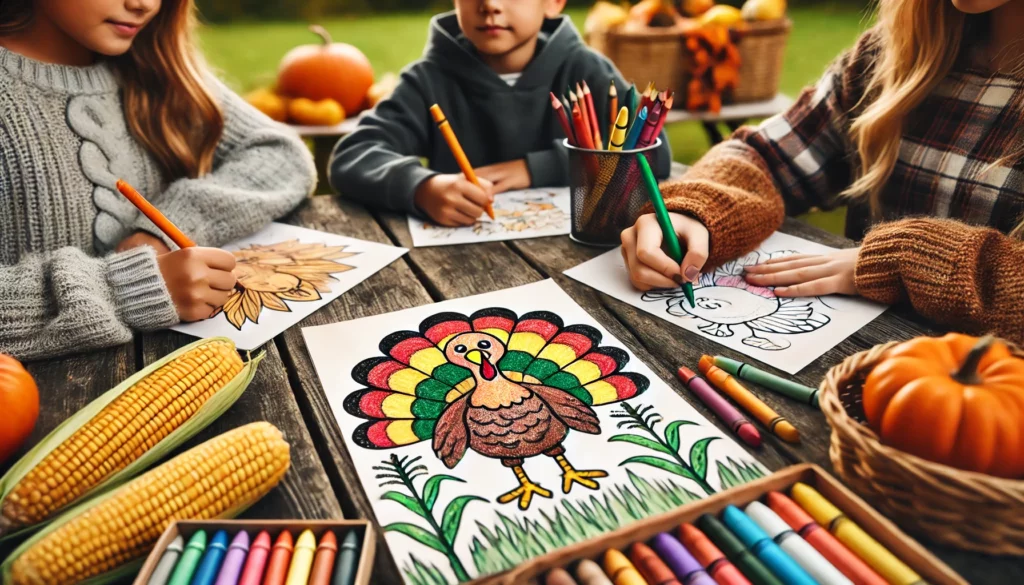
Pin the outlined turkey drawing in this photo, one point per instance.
(504, 386)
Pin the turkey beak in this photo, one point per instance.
(475, 356)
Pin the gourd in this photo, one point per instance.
(307, 112)
(332, 70)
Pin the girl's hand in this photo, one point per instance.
(807, 275)
(139, 239)
(451, 200)
(649, 266)
(199, 280)
(507, 176)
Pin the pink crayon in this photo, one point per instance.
(725, 411)
(256, 562)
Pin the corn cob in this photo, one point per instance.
(122, 431)
(218, 478)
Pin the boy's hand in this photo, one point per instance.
(507, 176)
(199, 280)
(139, 239)
(451, 200)
(649, 266)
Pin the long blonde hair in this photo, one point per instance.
(168, 104)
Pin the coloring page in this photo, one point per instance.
(518, 215)
(491, 429)
(786, 333)
(284, 273)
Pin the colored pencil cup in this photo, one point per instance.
(606, 192)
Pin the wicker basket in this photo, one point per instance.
(762, 49)
(966, 510)
(646, 55)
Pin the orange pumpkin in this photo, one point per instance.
(955, 400)
(19, 403)
(332, 70)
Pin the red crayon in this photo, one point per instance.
(562, 119)
(822, 540)
(252, 572)
(702, 549)
(582, 130)
(323, 562)
(647, 135)
(280, 559)
(736, 422)
(595, 123)
(650, 565)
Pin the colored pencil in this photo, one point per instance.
(666, 107)
(457, 152)
(584, 110)
(595, 122)
(778, 425)
(582, 130)
(721, 407)
(562, 119)
(645, 97)
(613, 109)
(154, 215)
(796, 547)
(634, 131)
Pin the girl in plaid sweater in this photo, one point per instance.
(918, 130)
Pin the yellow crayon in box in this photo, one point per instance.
(620, 570)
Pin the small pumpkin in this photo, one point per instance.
(268, 102)
(955, 400)
(329, 70)
(19, 403)
(315, 113)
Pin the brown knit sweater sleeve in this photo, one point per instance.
(967, 277)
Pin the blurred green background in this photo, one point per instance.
(245, 50)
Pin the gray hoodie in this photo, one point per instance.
(379, 164)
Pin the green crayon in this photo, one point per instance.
(348, 560)
(739, 555)
(630, 102)
(675, 252)
(770, 381)
(189, 561)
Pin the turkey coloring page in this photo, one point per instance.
(518, 215)
(495, 428)
(787, 333)
(285, 273)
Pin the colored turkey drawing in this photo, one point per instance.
(508, 387)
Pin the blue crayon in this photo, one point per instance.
(212, 558)
(758, 541)
(634, 131)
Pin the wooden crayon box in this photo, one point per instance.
(888, 534)
(188, 527)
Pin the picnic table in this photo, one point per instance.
(322, 482)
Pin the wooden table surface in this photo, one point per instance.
(322, 482)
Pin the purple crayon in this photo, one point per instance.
(725, 411)
(682, 563)
(233, 561)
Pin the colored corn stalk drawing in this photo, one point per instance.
(287, 271)
(401, 471)
(508, 387)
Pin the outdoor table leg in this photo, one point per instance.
(322, 148)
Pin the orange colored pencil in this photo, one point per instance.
(582, 130)
(666, 108)
(595, 122)
(154, 215)
(582, 99)
(457, 152)
(613, 109)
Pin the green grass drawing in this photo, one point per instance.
(401, 471)
(735, 474)
(418, 573)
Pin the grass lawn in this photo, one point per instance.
(246, 55)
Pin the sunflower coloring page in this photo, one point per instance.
(285, 273)
(786, 333)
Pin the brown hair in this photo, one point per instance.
(168, 104)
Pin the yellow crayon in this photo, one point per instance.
(620, 570)
(847, 532)
(618, 137)
(302, 559)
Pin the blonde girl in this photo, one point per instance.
(919, 129)
(96, 90)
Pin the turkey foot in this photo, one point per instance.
(525, 490)
(571, 475)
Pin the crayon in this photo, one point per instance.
(757, 540)
(664, 221)
(154, 215)
(579, 124)
(620, 570)
(645, 97)
(834, 551)
(595, 122)
(347, 561)
(231, 568)
(302, 559)
(796, 547)
(770, 381)
(323, 562)
(752, 404)
(457, 152)
(280, 558)
(721, 407)
(558, 577)
(679, 561)
(650, 566)
(252, 572)
(190, 558)
(870, 550)
(647, 134)
(618, 135)
(634, 131)
(753, 569)
(613, 109)
(708, 555)
(590, 573)
(630, 102)
(212, 558)
(563, 121)
(162, 573)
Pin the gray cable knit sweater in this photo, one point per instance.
(64, 143)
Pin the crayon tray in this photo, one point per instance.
(186, 528)
(885, 532)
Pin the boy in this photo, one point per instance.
(490, 65)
